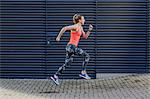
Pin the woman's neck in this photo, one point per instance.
(79, 24)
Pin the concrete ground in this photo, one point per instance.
(135, 86)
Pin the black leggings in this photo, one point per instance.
(72, 50)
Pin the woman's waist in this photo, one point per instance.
(72, 44)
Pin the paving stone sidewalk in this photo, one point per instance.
(135, 86)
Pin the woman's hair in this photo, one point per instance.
(76, 18)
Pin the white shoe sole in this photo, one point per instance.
(54, 81)
(83, 77)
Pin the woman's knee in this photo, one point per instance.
(87, 57)
(68, 61)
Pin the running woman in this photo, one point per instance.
(72, 47)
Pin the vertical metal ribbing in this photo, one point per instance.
(95, 35)
(147, 36)
(46, 41)
(148, 4)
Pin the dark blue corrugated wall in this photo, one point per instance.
(119, 42)
(121, 36)
(148, 37)
(23, 37)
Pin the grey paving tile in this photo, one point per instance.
(127, 87)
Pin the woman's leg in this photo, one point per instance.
(86, 56)
(68, 60)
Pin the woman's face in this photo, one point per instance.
(82, 20)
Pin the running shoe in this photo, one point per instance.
(84, 76)
(55, 79)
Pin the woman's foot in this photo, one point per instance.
(84, 75)
(55, 79)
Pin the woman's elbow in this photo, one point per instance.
(85, 37)
(64, 28)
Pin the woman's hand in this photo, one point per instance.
(90, 27)
(58, 39)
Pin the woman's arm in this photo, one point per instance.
(65, 29)
(86, 35)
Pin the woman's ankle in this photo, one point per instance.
(83, 71)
